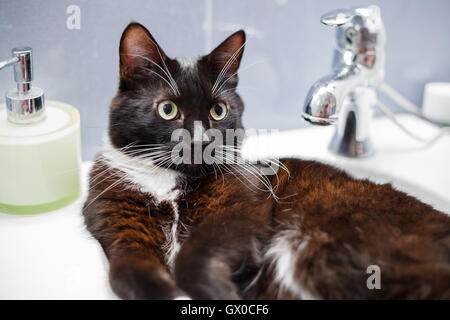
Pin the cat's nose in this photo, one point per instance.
(200, 143)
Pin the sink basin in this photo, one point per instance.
(52, 256)
(411, 166)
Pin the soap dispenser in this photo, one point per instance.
(40, 148)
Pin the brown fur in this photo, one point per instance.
(349, 224)
(234, 236)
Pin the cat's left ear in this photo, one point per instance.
(227, 56)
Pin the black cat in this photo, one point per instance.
(209, 231)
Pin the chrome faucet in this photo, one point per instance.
(346, 96)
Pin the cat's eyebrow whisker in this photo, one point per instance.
(166, 71)
(172, 79)
(168, 83)
(226, 67)
(174, 83)
(218, 91)
(223, 92)
(235, 89)
(146, 59)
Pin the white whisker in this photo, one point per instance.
(218, 91)
(166, 71)
(170, 85)
(225, 68)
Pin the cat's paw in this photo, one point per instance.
(206, 279)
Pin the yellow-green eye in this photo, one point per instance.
(167, 109)
(218, 111)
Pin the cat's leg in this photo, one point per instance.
(132, 241)
(220, 256)
(142, 276)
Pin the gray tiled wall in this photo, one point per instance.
(287, 50)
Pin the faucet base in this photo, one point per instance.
(346, 141)
(351, 149)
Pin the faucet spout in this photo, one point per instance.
(326, 97)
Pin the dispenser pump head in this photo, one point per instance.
(24, 104)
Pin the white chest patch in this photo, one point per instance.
(160, 182)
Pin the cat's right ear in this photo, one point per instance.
(139, 51)
(226, 57)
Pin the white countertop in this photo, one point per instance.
(52, 256)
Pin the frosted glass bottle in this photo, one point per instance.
(40, 162)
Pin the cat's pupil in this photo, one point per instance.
(218, 109)
(167, 108)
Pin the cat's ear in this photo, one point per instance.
(139, 50)
(227, 55)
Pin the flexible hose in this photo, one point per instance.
(399, 99)
(388, 113)
(408, 106)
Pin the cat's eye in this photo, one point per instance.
(218, 111)
(167, 109)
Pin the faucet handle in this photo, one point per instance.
(337, 18)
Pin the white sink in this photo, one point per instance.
(52, 256)
(411, 166)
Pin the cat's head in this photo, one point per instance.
(158, 95)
